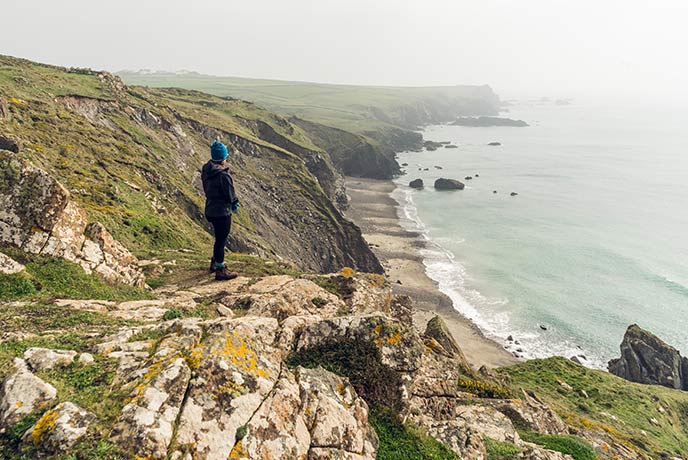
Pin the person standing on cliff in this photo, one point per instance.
(220, 202)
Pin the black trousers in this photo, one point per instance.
(221, 228)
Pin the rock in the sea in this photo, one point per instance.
(468, 177)
(438, 167)
(494, 191)
(480, 122)
(21, 394)
(9, 266)
(515, 194)
(59, 428)
(39, 359)
(645, 358)
(432, 145)
(448, 184)
(451, 146)
(494, 144)
(416, 183)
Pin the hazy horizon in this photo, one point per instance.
(552, 48)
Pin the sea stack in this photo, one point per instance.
(416, 183)
(645, 358)
(448, 184)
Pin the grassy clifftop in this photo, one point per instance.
(131, 156)
(645, 418)
(356, 108)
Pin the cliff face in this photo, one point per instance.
(130, 158)
(352, 154)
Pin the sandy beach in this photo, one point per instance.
(375, 212)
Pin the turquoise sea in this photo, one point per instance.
(595, 240)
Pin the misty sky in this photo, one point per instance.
(529, 47)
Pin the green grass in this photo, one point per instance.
(400, 441)
(498, 450)
(621, 409)
(48, 278)
(16, 286)
(576, 447)
(356, 108)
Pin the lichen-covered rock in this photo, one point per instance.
(36, 215)
(310, 413)
(147, 421)
(533, 413)
(9, 266)
(39, 359)
(294, 297)
(235, 368)
(21, 394)
(337, 418)
(459, 437)
(645, 358)
(59, 428)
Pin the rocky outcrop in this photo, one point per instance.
(645, 358)
(448, 184)
(9, 266)
(38, 216)
(249, 381)
(416, 183)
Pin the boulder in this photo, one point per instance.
(645, 358)
(9, 266)
(416, 183)
(21, 394)
(10, 144)
(59, 428)
(437, 330)
(39, 359)
(448, 184)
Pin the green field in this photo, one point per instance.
(362, 109)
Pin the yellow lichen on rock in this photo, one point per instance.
(238, 452)
(347, 272)
(241, 355)
(44, 425)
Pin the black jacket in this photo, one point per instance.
(219, 190)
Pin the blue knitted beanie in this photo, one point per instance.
(218, 151)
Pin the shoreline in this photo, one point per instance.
(373, 209)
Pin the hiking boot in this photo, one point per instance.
(223, 274)
(213, 265)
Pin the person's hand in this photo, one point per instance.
(235, 206)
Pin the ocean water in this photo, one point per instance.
(597, 238)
